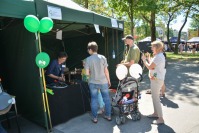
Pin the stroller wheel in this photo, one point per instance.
(118, 120)
(134, 116)
(112, 111)
(138, 115)
(123, 119)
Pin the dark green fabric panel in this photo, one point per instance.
(115, 43)
(20, 74)
(17, 8)
(102, 20)
(68, 14)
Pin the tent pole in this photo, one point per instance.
(107, 44)
(43, 97)
(44, 85)
(117, 43)
(105, 39)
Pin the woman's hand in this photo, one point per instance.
(143, 57)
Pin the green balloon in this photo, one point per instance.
(31, 23)
(42, 60)
(46, 24)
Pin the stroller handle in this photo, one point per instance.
(141, 77)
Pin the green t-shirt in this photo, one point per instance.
(133, 54)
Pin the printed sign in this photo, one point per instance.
(97, 28)
(54, 12)
(114, 23)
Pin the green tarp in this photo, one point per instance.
(17, 8)
(71, 12)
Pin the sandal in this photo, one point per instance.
(94, 120)
(148, 92)
(162, 95)
(107, 118)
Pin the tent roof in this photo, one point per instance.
(148, 39)
(17, 8)
(175, 39)
(70, 11)
(193, 40)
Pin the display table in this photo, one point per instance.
(69, 102)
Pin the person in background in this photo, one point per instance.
(97, 68)
(55, 70)
(193, 48)
(157, 72)
(181, 46)
(84, 76)
(100, 99)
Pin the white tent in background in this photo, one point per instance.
(148, 39)
(193, 40)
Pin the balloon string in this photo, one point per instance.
(39, 41)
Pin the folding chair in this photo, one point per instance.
(6, 102)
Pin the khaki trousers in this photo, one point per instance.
(155, 93)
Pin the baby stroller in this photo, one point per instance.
(127, 94)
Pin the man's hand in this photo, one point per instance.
(109, 84)
(61, 79)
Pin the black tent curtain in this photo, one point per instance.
(19, 71)
(76, 48)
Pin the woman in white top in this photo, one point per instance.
(157, 72)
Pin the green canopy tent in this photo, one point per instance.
(18, 47)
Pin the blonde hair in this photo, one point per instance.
(158, 44)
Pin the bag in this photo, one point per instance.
(140, 62)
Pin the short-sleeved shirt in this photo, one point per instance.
(54, 68)
(96, 64)
(133, 54)
(159, 71)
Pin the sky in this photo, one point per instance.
(179, 23)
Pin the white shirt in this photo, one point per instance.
(159, 71)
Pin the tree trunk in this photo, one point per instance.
(152, 25)
(86, 4)
(132, 18)
(198, 31)
(168, 31)
(179, 33)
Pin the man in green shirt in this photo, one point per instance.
(132, 56)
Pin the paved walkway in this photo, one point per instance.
(180, 107)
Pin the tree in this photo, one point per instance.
(98, 6)
(82, 2)
(195, 19)
(189, 7)
(148, 10)
(168, 14)
(125, 8)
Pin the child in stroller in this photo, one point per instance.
(126, 99)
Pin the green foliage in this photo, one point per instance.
(98, 6)
(143, 31)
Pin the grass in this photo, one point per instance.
(184, 56)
